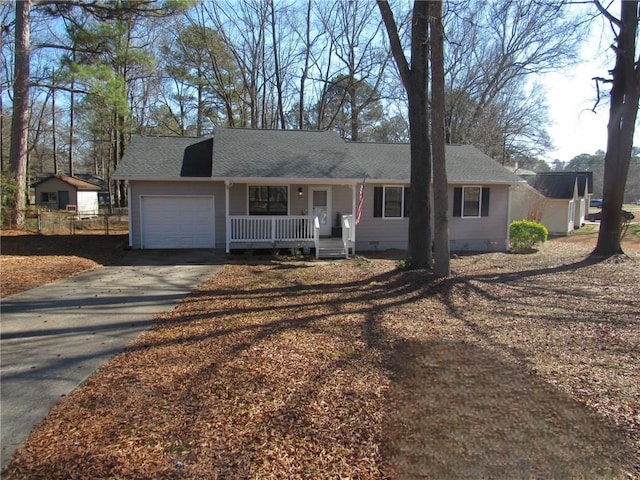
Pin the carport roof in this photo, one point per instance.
(292, 154)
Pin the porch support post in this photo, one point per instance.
(354, 211)
(227, 234)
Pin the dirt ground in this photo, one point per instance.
(28, 260)
(518, 366)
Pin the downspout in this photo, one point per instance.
(227, 233)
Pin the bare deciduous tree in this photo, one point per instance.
(493, 50)
(623, 111)
(441, 266)
(415, 80)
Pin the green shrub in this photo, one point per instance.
(526, 234)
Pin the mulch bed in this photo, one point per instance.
(519, 366)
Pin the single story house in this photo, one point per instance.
(558, 200)
(249, 189)
(63, 192)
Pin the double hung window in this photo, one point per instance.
(471, 201)
(268, 200)
(391, 202)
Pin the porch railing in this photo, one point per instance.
(348, 232)
(271, 228)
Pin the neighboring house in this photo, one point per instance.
(62, 192)
(103, 192)
(249, 188)
(559, 200)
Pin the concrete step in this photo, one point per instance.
(331, 252)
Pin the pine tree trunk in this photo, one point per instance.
(20, 118)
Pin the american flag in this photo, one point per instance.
(360, 201)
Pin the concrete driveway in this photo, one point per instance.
(53, 337)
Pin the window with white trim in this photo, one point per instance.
(268, 200)
(471, 201)
(48, 197)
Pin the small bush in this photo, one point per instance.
(526, 234)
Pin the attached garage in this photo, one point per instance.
(177, 221)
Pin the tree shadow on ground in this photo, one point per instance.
(461, 412)
(282, 372)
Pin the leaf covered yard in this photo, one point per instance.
(519, 366)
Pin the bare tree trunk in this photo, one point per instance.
(305, 69)
(72, 105)
(200, 113)
(1, 133)
(276, 65)
(415, 80)
(440, 184)
(20, 117)
(54, 145)
(623, 111)
(353, 106)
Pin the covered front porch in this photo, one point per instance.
(320, 225)
(294, 232)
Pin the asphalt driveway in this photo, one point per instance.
(53, 337)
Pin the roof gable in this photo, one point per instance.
(166, 158)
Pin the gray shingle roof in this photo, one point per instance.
(561, 184)
(281, 154)
(293, 154)
(465, 163)
(76, 182)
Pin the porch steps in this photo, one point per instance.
(331, 248)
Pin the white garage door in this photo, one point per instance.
(177, 222)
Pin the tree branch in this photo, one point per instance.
(606, 13)
(394, 40)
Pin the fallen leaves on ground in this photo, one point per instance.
(28, 260)
(518, 366)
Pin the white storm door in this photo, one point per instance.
(320, 207)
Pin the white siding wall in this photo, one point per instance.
(238, 196)
(482, 233)
(472, 234)
(341, 198)
(556, 216)
(139, 188)
(87, 203)
(526, 203)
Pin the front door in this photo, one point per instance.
(63, 199)
(321, 208)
